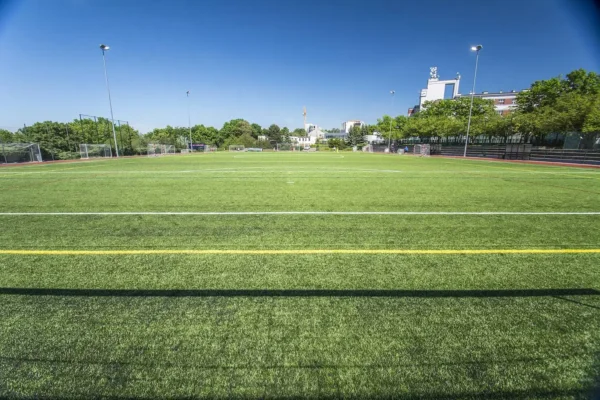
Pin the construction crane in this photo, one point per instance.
(304, 113)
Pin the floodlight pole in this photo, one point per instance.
(476, 49)
(189, 121)
(104, 48)
(392, 92)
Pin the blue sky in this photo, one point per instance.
(264, 60)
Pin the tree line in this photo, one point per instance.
(560, 105)
(563, 105)
(61, 140)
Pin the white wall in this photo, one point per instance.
(436, 89)
(347, 125)
(303, 140)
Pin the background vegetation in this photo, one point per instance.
(561, 105)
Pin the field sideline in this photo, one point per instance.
(322, 275)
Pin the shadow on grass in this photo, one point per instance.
(295, 292)
(512, 394)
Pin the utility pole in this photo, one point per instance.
(392, 92)
(476, 49)
(105, 48)
(189, 120)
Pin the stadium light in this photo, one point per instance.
(392, 92)
(104, 48)
(475, 49)
(189, 120)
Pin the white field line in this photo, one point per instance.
(316, 171)
(217, 213)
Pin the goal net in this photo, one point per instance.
(155, 150)
(210, 149)
(87, 150)
(422, 150)
(367, 149)
(288, 147)
(19, 152)
(168, 149)
(236, 147)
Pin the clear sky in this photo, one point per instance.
(264, 60)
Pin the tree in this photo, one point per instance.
(285, 135)
(245, 140)
(356, 136)
(390, 127)
(299, 132)
(203, 134)
(236, 127)
(256, 130)
(548, 92)
(592, 121)
(560, 105)
(6, 136)
(274, 133)
(337, 143)
(458, 108)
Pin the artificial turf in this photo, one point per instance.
(304, 325)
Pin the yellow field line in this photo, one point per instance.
(305, 251)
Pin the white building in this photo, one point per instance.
(504, 102)
(348, 125)
(313, 130)
(303, 140)
(437, 89)
(375, 138)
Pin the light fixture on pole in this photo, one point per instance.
(189, 120)
(105, 48)
(392, 92)
(475, 49)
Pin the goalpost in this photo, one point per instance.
(288, 147)
(422, 150)
(168, 149)
(20, 152)
(210, 149)
(367, 149)
(155, 150)
(87, 150)
(237, 147)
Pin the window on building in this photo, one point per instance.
(501, 101)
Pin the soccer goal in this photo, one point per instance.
(168, 149)
(155, 150)
(367, 149)
(236, 147)
(87, 150)
(20, 152)
(211, 149)
(422, 150)
(288, 147)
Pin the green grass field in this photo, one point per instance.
(135, 304)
